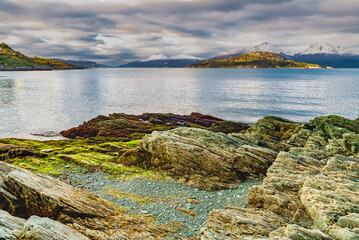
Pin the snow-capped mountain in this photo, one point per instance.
(263, 47)
(325, 48)
(328, 55)
(156, 57)
(164, 57)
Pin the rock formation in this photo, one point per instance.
(136, 126)
(204, 159)
(310, 173)
(309, 192)
(56, 210)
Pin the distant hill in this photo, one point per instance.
(85, 64)
(256, 59)
(161, 63)
(14, 60)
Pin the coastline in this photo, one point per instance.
(191, 173)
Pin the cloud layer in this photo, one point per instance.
(115, 32)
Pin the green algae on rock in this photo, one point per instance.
(310, 188)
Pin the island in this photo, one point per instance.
(257, 59)
(11, 60)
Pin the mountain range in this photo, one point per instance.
(14, 60)
(325, 54)
(322, 54)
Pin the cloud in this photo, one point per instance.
(115, 32)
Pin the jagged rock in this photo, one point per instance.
(10, 227)
(332, 194)
(241, 223)
(296, 232)
(37, 228)
(24, 193)
(279, 192)
(334, 126)
(204, 156)
(274, 128)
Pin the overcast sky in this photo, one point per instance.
(115, 32)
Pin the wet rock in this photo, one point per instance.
(79, 132)
(203, 156)
(156, 121)
(45, 133)
(37, 228)
(24, 193)
(10, 227)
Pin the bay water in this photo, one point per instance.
(36, 101)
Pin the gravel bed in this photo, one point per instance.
(164, 198)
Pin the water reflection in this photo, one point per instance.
(59, 100)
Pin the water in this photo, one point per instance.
(58, 100)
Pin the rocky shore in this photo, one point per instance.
(167, 176)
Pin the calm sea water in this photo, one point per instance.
(58, 100)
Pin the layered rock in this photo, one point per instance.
(24, 193)
(55, 210)
(241, 223)
(11, 227)
(37, 228)
(332, 195)
(312, 188)
(205, 159)
(135, 126)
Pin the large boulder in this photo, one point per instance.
(207, 159)
(24, 193)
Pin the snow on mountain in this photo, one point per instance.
(325, 49)
(266, 47)
(184, 57)
(263, 47)
(157, 57)
(177, 57)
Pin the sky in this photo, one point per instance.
(114, 32)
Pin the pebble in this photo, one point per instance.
(176, 194)
(46, 150)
